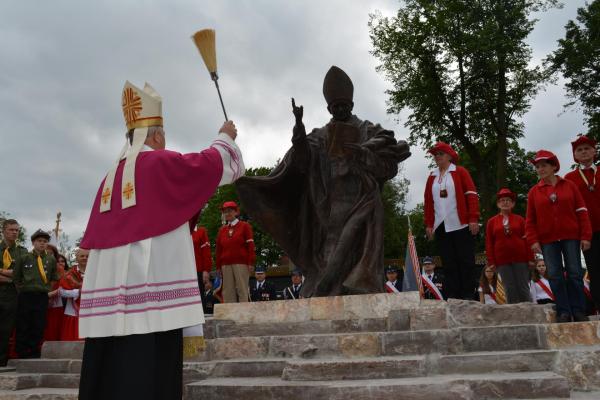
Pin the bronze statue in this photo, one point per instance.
(322, 203)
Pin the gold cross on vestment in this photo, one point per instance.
(128, 191)
(105, 196)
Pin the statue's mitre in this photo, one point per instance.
(337, 86)
(141, 108)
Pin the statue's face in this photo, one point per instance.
(341, 110)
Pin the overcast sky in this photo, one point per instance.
(63, 65)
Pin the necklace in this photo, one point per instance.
(592, 186)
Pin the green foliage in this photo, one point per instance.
(461, 68)
(578, 59)
(267, 251)
(395, 225)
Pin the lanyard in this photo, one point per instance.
(593, 185)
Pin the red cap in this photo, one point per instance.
(582, 139)
(445, 148)
(505, 192)
(229, 204)
(548, 156)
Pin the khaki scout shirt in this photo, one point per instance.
(27, 276)
(15, 252)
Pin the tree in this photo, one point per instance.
(578, 59)
(395, 225)
(461, 68)
(267, 251)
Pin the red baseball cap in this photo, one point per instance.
(548, 156)
(505, 192)
(229, 204)
(582, 139)
(445, 148)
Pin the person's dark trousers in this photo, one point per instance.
(31, 321)
(148, 366)
(8, 316)
(592, 262)
(457, 250)
(515, 278)
(568, 290)
(201, 287)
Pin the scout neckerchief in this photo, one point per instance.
(40, 265)
(6, 258)
(591, 187)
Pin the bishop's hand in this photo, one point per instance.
(298, 112)
(299, 130)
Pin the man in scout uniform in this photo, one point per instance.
(34, 275)
(292, 292)
(262, 290)
(393, 284)
(140, 293)
(432, 281)
(11, 252)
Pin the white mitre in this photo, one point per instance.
(141, 109)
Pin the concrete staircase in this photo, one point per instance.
(362, 347)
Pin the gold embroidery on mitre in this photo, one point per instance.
(132, 105)
(106, 195)
(128, 191)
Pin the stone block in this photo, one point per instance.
(463, 313)
(421, 342)
(193, 371)
(15, 381)
(249, 368)
(264, 311)
(399, 320)
(359, 325)
(305, 346)
(326, 308)
(63, 350)
(360, 345)
(581, 367)
(242, 347)
(514, 386)
(501, 338)
(59, 381)
(225, 329)
(479, 363)
(42, 365)
(357, 369)
(209, 328)
(572, 334)
(425, 318)
(378, 305)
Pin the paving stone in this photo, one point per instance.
(369, 368)
(499, 338)
(421, 342)
(470, 313)
(399, 320)
(427, 318)
(63, 350)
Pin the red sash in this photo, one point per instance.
(546, 289)
(433, 289)
(586, 290)
(390, 288)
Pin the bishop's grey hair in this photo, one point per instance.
(151, 131)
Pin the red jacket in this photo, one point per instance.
(592, 199)
(502, 248)
(467, 200)
(565, 219)
(202, 250)
(235, 245)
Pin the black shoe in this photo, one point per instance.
(580, 317)
(562, 318)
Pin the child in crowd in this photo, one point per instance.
(487, 285)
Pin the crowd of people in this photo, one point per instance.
(39, 294)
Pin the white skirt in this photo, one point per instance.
(143, 287)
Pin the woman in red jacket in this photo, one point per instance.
(451, 216)
(235, 255)
(587, 178)
(558, 226)
(506, 248)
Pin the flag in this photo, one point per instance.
(500, 292)
(412, 270)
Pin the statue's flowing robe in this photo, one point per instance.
(326, 211)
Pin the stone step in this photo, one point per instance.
(18, 381)
(372, 344)
(63, 350)
(40, 394)
(46, 365)
(415, 366)
(537, 385)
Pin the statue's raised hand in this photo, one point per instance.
(298, 112)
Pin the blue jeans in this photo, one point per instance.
(567, 290)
